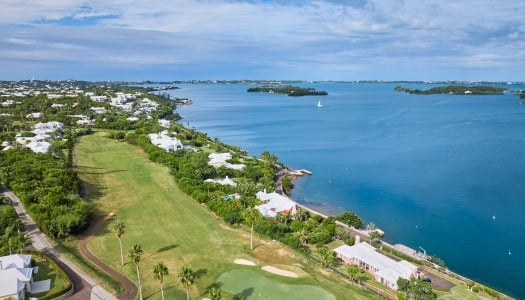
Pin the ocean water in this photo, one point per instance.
(442, 172)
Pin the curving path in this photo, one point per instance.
(129, 288)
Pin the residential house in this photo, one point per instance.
(164, 141)
(220, 159)
(16, 276)
(273, 203)
(225, 181)
(385, 269)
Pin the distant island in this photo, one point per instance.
(455, 90)
(290, 90)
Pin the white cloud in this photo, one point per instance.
(337, 35)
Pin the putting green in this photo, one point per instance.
(246, 284)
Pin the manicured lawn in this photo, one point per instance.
(45, 271)
(248, 284)
(173, 228)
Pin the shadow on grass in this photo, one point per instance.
(167, 248)
(215, 285)
(200, 272)
(244, 294)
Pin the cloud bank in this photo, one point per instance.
(228, 39)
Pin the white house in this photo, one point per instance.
(225, 181)
(98, 98)
(385, 269)
(219, 159)
(164, 123)
(273, 203)
(36, 115)
(16, 276)
(48, 127)
(164, 141)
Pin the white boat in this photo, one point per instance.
(319, 103)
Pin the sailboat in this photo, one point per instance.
(319, 103)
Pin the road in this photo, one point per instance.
(85, 287)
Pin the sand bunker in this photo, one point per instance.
(245, 262)
(277, 271)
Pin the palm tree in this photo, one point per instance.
(119, 229)
(134, 254)
(250, 216)
(160, 270)
(186, 279)
(215, 294)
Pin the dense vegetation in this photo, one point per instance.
(48, 188)
(290, 90)
(11, 229)
(454, 89)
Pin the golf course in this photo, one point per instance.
(170, 227)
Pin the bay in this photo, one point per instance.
(440, 172)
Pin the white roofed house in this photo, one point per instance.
(225, 181)
(220, 159)
(273, 203)
(16, 276)
(385, 269)
(164, 141)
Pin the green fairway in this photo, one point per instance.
(246, 284)
(173, 228)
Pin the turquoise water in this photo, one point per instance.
(441, 172)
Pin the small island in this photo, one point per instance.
(455, 90)
(290, 90)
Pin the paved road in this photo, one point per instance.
(84, 285)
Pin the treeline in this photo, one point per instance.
(11, 229)
(190, 169)
(48, 188)
(455, 90)
(290, 90)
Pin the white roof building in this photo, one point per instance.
(274, 203)
(164, 141)
(219, 159)
(15, 261)
(225, 181)
(164, 123)
(16, 276)
(48, 127)
(385, 269)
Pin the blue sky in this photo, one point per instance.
(256, 39)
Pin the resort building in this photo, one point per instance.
(273, 203)
(385, 269)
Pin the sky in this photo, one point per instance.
(477, 40)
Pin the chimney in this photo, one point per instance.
(357, 239)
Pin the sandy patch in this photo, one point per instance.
(245, 262)
(281, 272)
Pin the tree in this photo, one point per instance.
(215, 294)
(326, 256)
(251, 215)
(186, 279)
(350, 219)
(159, 271)
(118, 230)
(135, 254)
(356, 274)
(402, 285)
